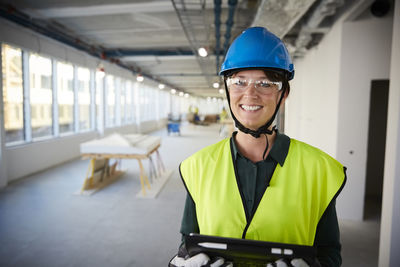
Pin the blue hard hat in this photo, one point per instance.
(256, 47)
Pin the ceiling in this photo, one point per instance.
(159, 39)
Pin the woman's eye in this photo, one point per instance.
(240, 83)
(265, 84)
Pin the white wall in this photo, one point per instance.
(328, 105)
(34, 157)
(365, 55)
(31, 158)
(313, 103)
(150, 126)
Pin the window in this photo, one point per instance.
(99, 100)
(152, 106)
(164, 104)
(128, 102)
(45, 81)
(12, 94)
(122, 102)
(41, 95)
(84, 99)
(136, 103)
(65, 97)
(175, 105)
(110, 102)
(117, 101)
(143, 102)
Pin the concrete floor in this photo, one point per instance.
(43, 223)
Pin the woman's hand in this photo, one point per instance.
(198, 260)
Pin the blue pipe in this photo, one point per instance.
(229, 23)
(217, 21)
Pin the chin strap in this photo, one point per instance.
(256, 134)
(267, 146)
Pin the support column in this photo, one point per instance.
(3, 170)
(389, 245)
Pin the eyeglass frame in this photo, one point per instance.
(256, 83)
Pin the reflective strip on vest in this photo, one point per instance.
(291, 207)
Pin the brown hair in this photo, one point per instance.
(278, 76)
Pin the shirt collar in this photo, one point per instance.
(278, 151)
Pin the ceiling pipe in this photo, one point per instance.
(229, 23)
(12, 14)
(147, 52)
(217, 21)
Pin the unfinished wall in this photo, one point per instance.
(365, 56)
(312, 106)
(329, 102)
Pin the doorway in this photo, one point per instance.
(376, 149)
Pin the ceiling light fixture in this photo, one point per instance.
(139, 78)
(216, 85)
(173, 91)
(161, 86)
(101, 74)
(221, 91)
(181, 94)
(202, 52)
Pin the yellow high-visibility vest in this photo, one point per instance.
(298, 194)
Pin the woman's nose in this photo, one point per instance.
(250, 89)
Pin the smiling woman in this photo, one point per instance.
(260, 179)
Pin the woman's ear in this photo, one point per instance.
(286, 94)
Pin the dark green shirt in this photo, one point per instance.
(253, 181)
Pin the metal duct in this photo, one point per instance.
(324, 9)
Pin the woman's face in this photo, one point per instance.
(252, 106)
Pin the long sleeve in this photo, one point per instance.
(189, 220)
(327, 238)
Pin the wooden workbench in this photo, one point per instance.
(100, 173)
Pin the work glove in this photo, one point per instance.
(198, 260)
(291, 263)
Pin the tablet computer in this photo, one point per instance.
(245, 251)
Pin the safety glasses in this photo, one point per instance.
(238, 84)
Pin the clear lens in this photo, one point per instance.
(262, 86)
